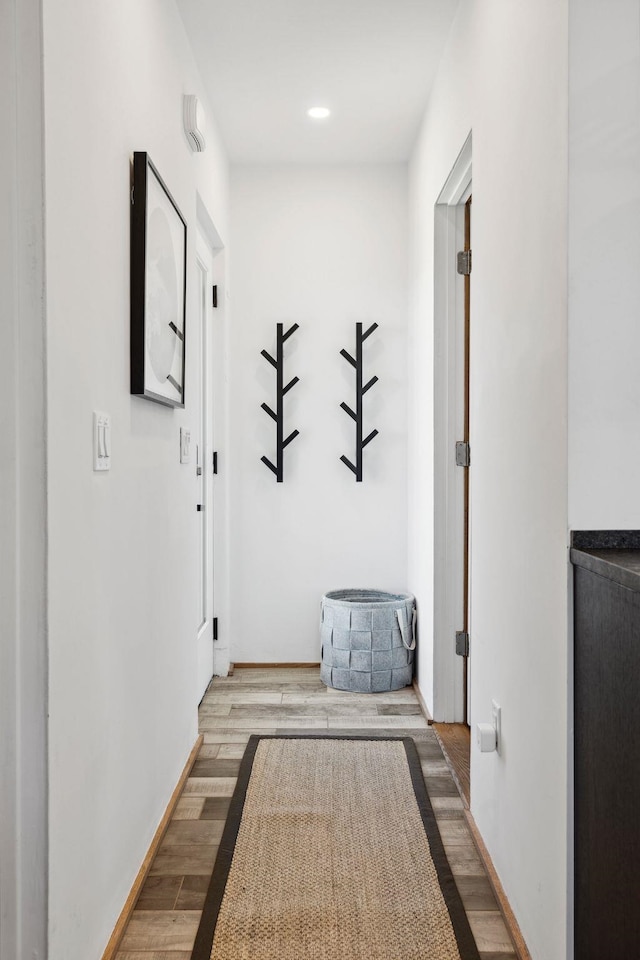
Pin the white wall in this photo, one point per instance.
(504, 75)
(23, 630)
(604, 280)
(324, 247)
(123, 545)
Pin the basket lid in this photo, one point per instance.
(366, 596)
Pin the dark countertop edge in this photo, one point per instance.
(611, 568)
(605, 539)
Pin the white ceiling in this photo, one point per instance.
(265, 62)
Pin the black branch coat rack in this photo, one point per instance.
(281, 392)
(360, 392)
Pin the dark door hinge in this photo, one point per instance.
(464, 262)
(200, 507)
(215, 628)
(462, 643)
(463, 454)
(214, 298)
(215, 461)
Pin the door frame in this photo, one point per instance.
(217, 347)
(203, 443)
(448, 693)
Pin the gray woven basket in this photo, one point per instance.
(368, 639)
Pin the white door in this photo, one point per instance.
(203, 467)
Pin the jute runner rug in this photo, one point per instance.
(331, 851)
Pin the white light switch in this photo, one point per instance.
(101, 441)
(185, 445)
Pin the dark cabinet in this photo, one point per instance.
(607, 753)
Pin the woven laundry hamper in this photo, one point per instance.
(368, 639)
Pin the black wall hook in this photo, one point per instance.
(281, 392)
(360, 392)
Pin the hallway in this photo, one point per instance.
(266, 701)
(108, 589)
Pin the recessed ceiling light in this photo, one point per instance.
(319, 113)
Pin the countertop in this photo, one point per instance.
(612, 554)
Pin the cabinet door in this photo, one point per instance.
(607, 769)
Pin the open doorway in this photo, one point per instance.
(452, 481)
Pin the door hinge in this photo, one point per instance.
(464, 262)
(214, 298)
(462, 643)
(200, 507)
(215, 461)
(215, 628)
(463, 454)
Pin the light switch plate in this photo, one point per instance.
(185, 445)
(101, 441)
(496, 716)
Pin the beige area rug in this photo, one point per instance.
(331, 851)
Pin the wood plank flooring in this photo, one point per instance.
(455, 739)
(165, 920)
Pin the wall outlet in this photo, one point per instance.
(496, 716)
(185, 445)
(486, 735)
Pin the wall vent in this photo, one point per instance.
(193, 119)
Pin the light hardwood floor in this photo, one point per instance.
(164, 923)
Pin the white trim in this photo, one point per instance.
(207, 227)
(448, 703)
(23, 491)
(456, 187)
(205, 279)
(218, 351)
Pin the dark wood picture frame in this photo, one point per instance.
(158, 288)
